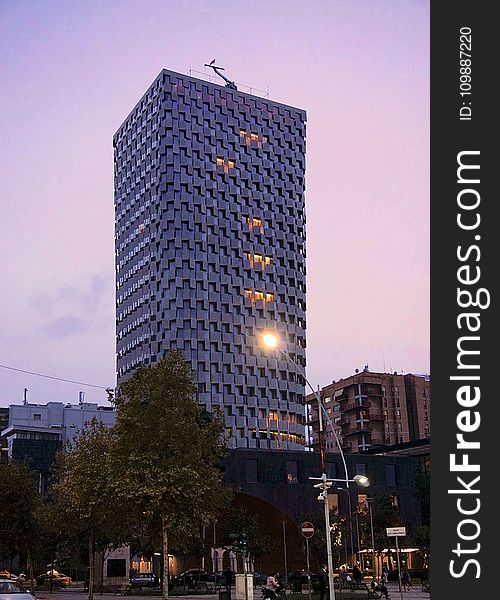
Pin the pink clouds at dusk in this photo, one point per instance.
(72, 71)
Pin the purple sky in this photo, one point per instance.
(71, 72)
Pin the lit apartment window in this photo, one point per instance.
(257, 260)
(230, 164)
(255, 295)
(254, 223)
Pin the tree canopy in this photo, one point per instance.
(168, 452)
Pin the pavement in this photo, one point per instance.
(415, 593)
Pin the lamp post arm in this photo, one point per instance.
(323, 409)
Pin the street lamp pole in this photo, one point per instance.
(373, 537)
(323, 497)
(350, 518)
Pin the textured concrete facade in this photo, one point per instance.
(210, 249)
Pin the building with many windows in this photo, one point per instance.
(38, 431)
(210, 249)
(370, 410)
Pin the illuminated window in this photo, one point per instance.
(269, 297)
(291, 472)
(257, 259)
(362, 501)
(273, 415)
(255, 295)
(252, 137)
(333, 502)
(255, 223)
(230, 164)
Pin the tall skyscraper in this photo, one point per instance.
(210, 249)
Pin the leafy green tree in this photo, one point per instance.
(87, 496)
(168, 453)
(236, 524)
(19, 503)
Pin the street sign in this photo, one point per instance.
(307, 529)
(396, 531)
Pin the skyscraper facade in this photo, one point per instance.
(210, 249)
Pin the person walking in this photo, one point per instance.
(356, 574)
(323, 583)
(271, 586)
(385, 573)
(228, 580)
(406, 580)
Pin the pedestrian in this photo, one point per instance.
(379, 587)
(344, 577)
(385, 573)
(271, 586)
(406, 580)
(279, 584)
(323, 583)
(356, 574)
(228, 580)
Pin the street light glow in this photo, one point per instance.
(270, 340)
(361, 480)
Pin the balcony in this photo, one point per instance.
(354, 404)
(357, 428)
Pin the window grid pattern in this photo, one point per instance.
(194, 199)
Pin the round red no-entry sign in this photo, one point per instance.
(307, 529)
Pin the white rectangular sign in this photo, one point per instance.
(396, 531)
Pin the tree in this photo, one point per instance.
(242, 531)
(168, 452)
(19, 503)
(87, 495)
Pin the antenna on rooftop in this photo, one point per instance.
(25, 398)
(230, 84)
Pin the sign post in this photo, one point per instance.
(397, 532)
(307, 530)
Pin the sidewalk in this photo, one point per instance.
(78, 594)
(414, 594)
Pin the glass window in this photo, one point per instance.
(360, 469)
(291, 472)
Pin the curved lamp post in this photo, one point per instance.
(272, 342)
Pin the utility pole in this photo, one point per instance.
(323, 497)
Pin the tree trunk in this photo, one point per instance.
(91, 567)
(31, 573)
(165, 574)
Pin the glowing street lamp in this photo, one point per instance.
(272, 342)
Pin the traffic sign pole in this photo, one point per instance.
(399, 568)
(397, 532)
(308, 569)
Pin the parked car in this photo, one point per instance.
(59, 580)
(220, 578)
(9, 588)
(191, 576)
(144, 579)
(301, 576)
(259, 579)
